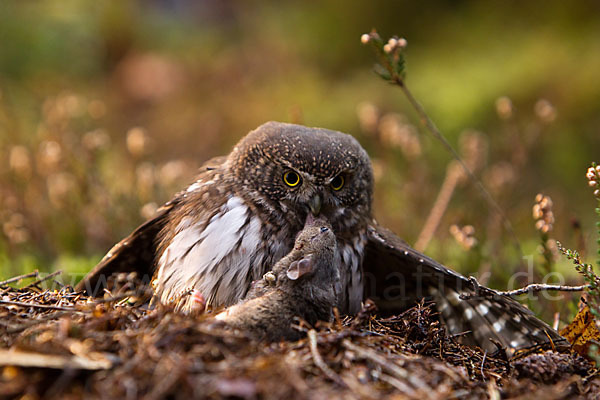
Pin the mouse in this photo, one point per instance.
(303, 284)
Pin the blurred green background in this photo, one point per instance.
(108, 108)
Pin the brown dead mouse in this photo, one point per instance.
(302, 284)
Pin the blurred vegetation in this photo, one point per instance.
(108, 108)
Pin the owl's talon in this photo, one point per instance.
(198, 303)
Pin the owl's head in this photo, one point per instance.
(295, 170)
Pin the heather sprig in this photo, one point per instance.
(544, 222)
(593, 176)
(391, 67)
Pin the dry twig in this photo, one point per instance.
(314, 351)
(47, 277)
(20, 277)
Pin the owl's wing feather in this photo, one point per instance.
(396, 276)
(137, 252)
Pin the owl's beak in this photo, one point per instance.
(315, 205)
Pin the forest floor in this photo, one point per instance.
(62, 344)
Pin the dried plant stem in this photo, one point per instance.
(312, 338)
(397, 383)
(118, 297)
(482, 291)
(391, 368)
(392, 68)
(45, 306)
(540, 287)
(33, 274)
(19, 358)
(49, 276)
(428, 122)
(439, 208)
(481, 369)
(14, 328)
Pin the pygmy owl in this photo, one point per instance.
(242, 214)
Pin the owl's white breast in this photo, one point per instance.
(214, 260)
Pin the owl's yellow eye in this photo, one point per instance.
(291, 178)
(337, 183)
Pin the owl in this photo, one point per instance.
(242, 214)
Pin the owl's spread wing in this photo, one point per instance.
(137, 252)
(396, 276)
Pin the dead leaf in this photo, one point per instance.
(582, 332)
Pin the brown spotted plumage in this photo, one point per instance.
(243, 212)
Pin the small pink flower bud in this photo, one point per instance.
(539, 225)
(469, 230)
(365, 38)
(537, 211)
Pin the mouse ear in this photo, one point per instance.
(300, 268)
